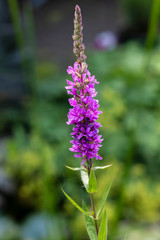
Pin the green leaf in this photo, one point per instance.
(90, 225)
(103, 200)
(102, 235)
(76, 205)
(74, 169)
(125, 238)
(101, 167)
(92, 186)
(84, 177)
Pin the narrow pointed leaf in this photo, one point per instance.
(74, 169)
(125, 238)
(92, 186)
(84, 177)
(75, 204)
(90, 225)
(103, 200)
(103, 228)
(101, 167)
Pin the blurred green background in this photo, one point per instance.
(123, 49)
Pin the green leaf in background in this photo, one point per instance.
(90, 225)
(76, 205)
(103, 228)
(74, 169)
(92, 186)
(84, 177)
(103, 200)
(102, 167)
(125, 238)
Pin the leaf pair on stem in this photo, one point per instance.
(90, 217)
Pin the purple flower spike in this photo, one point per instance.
(84, 112)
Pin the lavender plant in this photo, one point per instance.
(86, 139)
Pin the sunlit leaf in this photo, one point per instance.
(102, 235)
(90, 225)
(74, 169)
(92, 186)
(101, 167)
(103, 200)
(84, 177)
(75, 204)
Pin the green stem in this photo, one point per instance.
(153, 24)
(92, 199)
(94, 211)
(28, 60)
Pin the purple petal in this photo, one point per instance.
(77, 155)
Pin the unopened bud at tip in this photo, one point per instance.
(77, 8)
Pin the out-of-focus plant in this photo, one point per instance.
(153, 24)
(30, 158)
(141, 193)
(131, 96)
(132, 130)
(137, 12)
(130, 103)
(7, 223)
(42, 226)
(119, 98)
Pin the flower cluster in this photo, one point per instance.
(84, 111)
(86, 141)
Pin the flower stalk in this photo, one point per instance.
(92, 202)
(94, 212)
(86, 140)
(84, 111)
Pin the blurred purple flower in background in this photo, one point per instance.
(106, 40)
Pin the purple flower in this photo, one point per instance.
(84, 112)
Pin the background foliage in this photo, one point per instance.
(129, 99)
(37, 148)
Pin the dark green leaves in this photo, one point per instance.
(90, 225)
